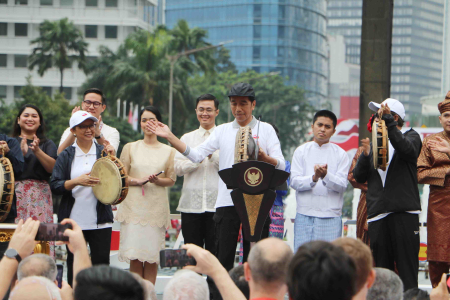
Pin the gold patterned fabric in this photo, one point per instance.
(431, 169)
(445, 105)
(362, 229)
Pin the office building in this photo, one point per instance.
(102, 22)
(417, 41)
(268, 36)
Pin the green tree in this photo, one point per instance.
(60, 44)
(185, 38)
(56, 111)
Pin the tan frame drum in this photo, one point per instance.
(113, 186)
(6, 186)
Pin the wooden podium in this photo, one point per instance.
(7, 231)
(253, 184)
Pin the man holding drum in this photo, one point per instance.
(393, 203)
(94, 102)
(199, 192)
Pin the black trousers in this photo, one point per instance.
(395, 242)
(227, 233)
(99, 241)
(198, 229)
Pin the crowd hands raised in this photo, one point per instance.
(35, 276)
(342, 269)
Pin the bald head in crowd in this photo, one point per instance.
(362, 256)
(35, 288)
(37, 265)
(266, 268)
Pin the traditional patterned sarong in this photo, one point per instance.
(438, 223)
(362, 229)
(276, 228)
(34, 199)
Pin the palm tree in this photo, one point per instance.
(185, 38)
(60, 43)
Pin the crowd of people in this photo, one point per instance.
(318, 270)
(322, 265)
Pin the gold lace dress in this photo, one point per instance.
(144, 218)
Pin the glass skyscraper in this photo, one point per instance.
(417, 38)
(287, 36)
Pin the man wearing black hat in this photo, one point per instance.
(242, 102)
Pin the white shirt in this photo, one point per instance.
(224, 138)
(109, 133)
(84, 210)
(324, 198)
(201, 180)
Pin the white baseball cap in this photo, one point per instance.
(79, 117)
(395, 106)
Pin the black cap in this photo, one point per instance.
(242, 89)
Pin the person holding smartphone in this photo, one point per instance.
(71, 179)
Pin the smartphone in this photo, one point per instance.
(59, 274)
(170, 258)
(52, 232)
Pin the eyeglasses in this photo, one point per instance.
(95, 103)
(208, 110)
(86, 127)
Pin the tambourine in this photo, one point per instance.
(380, 145)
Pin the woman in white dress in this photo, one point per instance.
(144, 214)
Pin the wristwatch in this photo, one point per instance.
(99, 137)
(12, 253)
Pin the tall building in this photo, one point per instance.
(268, 36)
(417, 40)
(103, 22)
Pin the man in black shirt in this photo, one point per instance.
(393, 203)
(11, 148)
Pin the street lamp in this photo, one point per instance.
(173, 59)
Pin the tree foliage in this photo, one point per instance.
(59, 44)
(139, 70)
(57, 112)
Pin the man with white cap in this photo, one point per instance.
(393, 203)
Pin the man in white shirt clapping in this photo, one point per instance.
(319, 176)
(201, 180)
